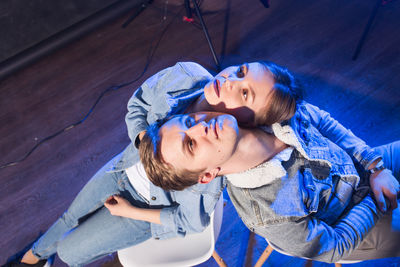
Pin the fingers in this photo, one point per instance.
(392, 199)
(111, 204)
(393, 204)
(380, 199)
(107, 205)
(390, 193)
(113, 200)
(118, 197)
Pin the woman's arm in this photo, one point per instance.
(150, 101)
(340, 135)
(312, 238)
(383, 184)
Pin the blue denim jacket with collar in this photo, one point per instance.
(321, 207)
(168, 92)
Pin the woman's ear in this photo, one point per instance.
(208, 176)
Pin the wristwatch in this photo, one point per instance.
(378, 167)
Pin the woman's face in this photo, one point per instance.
(242, 91)
(199, 141)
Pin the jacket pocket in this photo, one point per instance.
(309, 191)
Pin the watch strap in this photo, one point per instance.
(378, 167)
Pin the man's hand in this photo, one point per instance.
(118, 206)
(384, 186)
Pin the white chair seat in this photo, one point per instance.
(284, 253)
(264, 256)
(191, 250)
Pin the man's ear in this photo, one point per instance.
(208, 176)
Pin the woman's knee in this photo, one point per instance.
(65, 254)
(71, 252)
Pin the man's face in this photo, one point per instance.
(199, 141)
(242, 91)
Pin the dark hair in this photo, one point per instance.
(158, 171)
(285, 94)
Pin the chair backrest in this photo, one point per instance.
(188, 251)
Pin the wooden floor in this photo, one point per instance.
(315, 39)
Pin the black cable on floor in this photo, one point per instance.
(152, 49)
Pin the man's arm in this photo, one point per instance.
(177, 217)
(119, 206)
(189, 213)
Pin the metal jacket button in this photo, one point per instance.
(305, 123)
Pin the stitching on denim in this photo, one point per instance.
(90, 258)
(45, 251)
(255, 206)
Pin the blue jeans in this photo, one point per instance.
(87, 230)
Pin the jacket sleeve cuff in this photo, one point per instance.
(138, 129)
(167, 216)
(367, 157)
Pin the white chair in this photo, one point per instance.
(267, 252)
(191, 250)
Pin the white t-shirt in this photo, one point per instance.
(138, 179)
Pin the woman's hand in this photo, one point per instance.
(119, 206)
(385, 187)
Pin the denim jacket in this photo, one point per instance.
(171, 91)
(320, 206)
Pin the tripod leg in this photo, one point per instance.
(367, 27)
(134, 15)
(203, 25)
(188, 9)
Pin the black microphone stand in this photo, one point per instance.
(138, 10)
(189, 18)
(374, 11)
